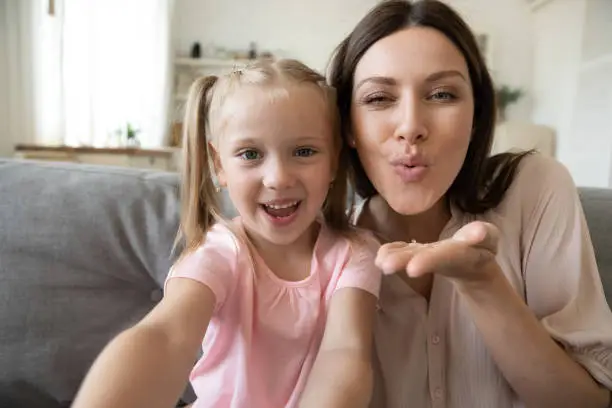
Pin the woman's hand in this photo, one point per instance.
(466, 257)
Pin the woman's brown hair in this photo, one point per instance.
(204, 117)
(482, 180)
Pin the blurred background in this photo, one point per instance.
(104, 81)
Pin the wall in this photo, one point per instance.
(573, 84)
(595, 82)
(309, 30)
(509, 23)
(557, 23)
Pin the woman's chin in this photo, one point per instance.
(413, 208)
(410, 203)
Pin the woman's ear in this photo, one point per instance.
(350, 140)
(218, 167)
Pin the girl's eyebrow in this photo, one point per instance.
(250, 141)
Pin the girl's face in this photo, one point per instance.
(411, 117)
(276, 156)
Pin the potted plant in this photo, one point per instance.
(127, 136)
(131, 136)
(506, 96)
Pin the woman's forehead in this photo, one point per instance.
(414, 52)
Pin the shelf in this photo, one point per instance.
(209, 62)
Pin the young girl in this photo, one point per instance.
(280, 299)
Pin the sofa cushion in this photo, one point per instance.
(597, 205)
(84, 251)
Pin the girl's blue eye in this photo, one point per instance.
(249, 155)
(304, 152)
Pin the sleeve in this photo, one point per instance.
(562, 283)
(360, 271)
(212, 264)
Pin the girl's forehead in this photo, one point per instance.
(256, 94)
(279, 114)
(251, 102)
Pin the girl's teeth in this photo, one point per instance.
(280, 206)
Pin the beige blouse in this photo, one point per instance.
(432, 355)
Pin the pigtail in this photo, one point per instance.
(199, 206)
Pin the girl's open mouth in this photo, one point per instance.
(281, 210)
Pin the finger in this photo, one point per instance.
(479, 234)
(392, 246)
(440, 258)
(393, 258)
(491, 241)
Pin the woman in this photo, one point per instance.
(499, 303)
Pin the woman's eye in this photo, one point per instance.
(375, 99)
(250, 155)
(304, 152)
(443, 96)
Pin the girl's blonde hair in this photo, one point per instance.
(199, 202)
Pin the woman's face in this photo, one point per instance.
(411, 117)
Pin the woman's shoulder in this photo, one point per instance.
(539, 182)
(538, 176)
(541, 169)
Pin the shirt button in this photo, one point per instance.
(435, 339)
(438, 394)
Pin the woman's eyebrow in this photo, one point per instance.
(436, 76)
(444, 74)
(381, 80)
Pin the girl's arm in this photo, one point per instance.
(342, 374)
(148, 365)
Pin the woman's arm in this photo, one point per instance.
(342, 374)
(537, 368)
(552, 345)
(148, 365)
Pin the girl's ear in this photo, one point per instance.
(216, 159)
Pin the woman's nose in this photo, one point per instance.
(411, 121)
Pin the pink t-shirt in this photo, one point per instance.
(265, 332)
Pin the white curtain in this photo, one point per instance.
(99, 65)
(17, 121)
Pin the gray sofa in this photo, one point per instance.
(84, 251)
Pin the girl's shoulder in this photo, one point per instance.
(222, 239)
(355, 240)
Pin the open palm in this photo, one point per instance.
(461, 257)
